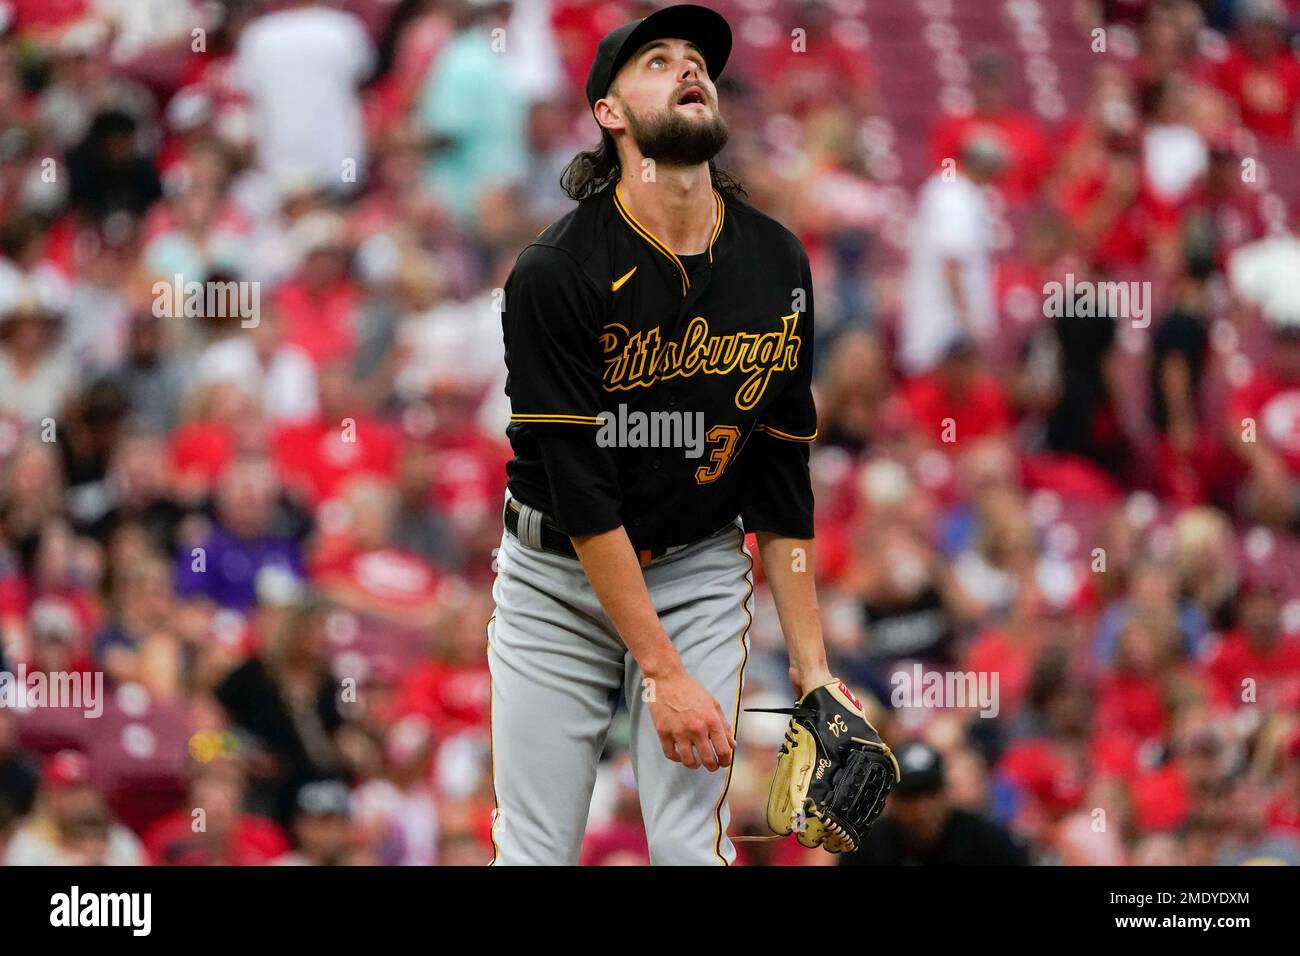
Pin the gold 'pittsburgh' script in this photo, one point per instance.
(638, 360)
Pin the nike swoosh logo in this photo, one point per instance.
(618, 283)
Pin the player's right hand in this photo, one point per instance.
(693, 731)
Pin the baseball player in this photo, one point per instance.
(623, 570)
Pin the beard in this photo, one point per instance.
(670, 138)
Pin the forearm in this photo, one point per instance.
(788, 565)
(615, 576)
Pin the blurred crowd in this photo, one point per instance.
(272, 530)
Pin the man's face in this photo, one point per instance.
(990, 92)
(148, 591)
(323, 838)
(51, 652)
(145, 339)
(246, 497)
(922, 815)
(220, 799)
(664, 100)
(1260, 613)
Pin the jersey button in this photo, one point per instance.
(656, 464)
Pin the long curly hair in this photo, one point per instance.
(594, 170)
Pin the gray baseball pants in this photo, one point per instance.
(558, 668)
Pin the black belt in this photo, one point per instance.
(555, 541)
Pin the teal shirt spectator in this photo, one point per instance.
(470, 100)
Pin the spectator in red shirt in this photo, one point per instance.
(1262, 424)
(1133, 695)
(227, 837)
(1224, 212)
(1256, 662)
(56, 589)
(824, 68)
(1111, 208)
(1020, 136)
(1020, 277)
(1011, 649)
(1251, 840)
(959, 401)
(1161, 800)
(1284, 812)
(315, 457)
(1261, 75)
(363, 571)
(318, 304)
(40, 16)
(223, 418)
(1046, 768)
(578, 26)
(452, 689)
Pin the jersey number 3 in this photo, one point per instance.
(726, 436)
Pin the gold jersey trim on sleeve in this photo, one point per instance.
(777, 433)
(557, 419)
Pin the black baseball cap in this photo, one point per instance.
(922, 770)
(706, 28)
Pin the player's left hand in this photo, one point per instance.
(834, 771)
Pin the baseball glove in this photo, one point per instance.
(833, 773)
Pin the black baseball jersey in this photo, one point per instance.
(606, 327)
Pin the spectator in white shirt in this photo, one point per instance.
(948, 288)
(278, 375)
(35, 378)
(302, 68)
(1174, 156)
